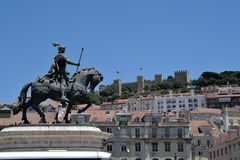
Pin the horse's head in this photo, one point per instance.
(95, 80)
(90, 77)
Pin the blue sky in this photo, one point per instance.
(160, 36)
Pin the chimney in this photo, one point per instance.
(226, 119)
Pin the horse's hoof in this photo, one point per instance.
(25, 122)
(66, 121)
(42, 121)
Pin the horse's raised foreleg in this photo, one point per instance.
(85, 108)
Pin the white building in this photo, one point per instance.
(142, 103)
(174, 102)
(166, 103)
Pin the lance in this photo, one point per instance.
(80, 58)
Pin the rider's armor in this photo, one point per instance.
(61, 63)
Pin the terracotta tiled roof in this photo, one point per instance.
(195, 124)
(206, 110)
(103, 115)
(93, 107)
(140, 114)
(216, 95)
(234, 109)
(225, 137)
(32, 117)
(120, 101)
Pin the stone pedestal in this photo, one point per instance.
(52, 137)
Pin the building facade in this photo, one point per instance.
(226, 147)
(169, 103)
(143, 135)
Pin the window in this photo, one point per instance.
(137, 132)
(138, 147)
(109, 130)
(154, 147)
(109, 148)
(226, 150)
(234, 147)
(199, 142)
(179, 133)
(137, 119)
(208, 143)
(217, 153)
(167, 132)
(167, 146)
(109, 120)
(154, 121)
(221, 151)
(123, 147)
(210, 155)
(154, 132)
(199, 153)
(180, 147)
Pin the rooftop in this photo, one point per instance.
(206, 110)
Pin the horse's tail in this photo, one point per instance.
(22, 98)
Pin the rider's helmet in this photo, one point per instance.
(61, 49)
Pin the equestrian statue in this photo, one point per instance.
(59, 86)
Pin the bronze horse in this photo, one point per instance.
(76, 91)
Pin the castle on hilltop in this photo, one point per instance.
(139, 85)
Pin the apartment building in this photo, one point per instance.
(140, 135)
(160, 104)
(173, 102)
(226, 146)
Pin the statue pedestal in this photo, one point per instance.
(51, 137)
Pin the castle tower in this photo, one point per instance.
(182, 76)
(117, 85)
(140, 84)
(157, 78)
